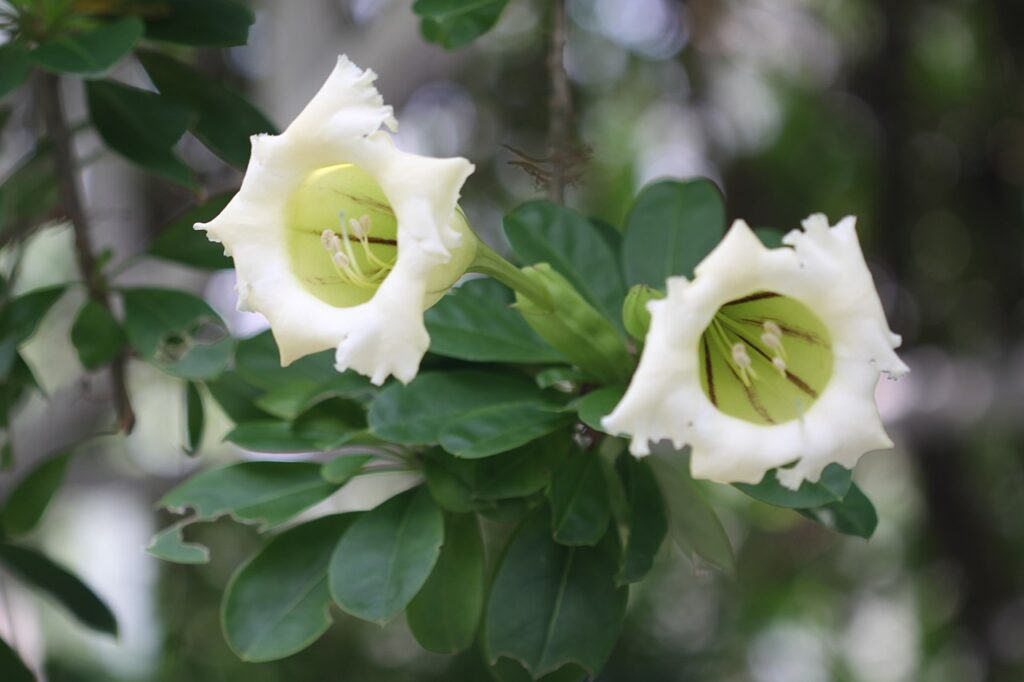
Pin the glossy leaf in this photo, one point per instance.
(182, 243)
(341, 470)
(648, 523)
(550, 605)
(16, 65)
(671, 226)
(386, 556)
(450, 481)
(580, 509)
(170, 545)
(596, 405)
(692, 522)
(89, 53)
(20, 318)
(455, 23)
(219, 23)
(272, 436)
(520, 472)
(444, 614)
(269, 493)
(259, 363)
(236, 397)
(195, 418)
(12, 668)
(224, 119)
(475, 322)
(499, 428)
(28, 501)
(854, 515)
(277, 602)
(417, 413)
(140, 125)
(832, 487)
(43, 573)
(508, 670)
(176, 332)
(544, 232)
(96, 336)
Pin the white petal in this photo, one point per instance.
(343, 124)
(825, 270)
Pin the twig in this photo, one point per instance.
(71, 201)
(559, 106)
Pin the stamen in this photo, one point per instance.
(772, 328)
(361, 227)
(772, 338)
(780, 365)
(743, 361)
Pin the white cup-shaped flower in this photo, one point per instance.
(340, 239)
(768, 358)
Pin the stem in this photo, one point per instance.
(488, 262)
(71, 200)
(559, 105)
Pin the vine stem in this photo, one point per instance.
(488, 262)
(71, 201)
(559, 105)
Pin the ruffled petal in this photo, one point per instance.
(343, 124)
(825, 271)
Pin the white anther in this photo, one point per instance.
(361, 227)
(772, 328)
(340, 259)
(330, 241)
(780, 365)
(739, 355)
(771, 340)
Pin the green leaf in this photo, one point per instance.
(29, 499)
(181, 243)
(259, 363)
(444, 614)
(169, 545)
(224, 119)
(507, 670)
(417, 413)
(22, 315)
(692, 522)
(38, 570)
(455, 23)
(30, 190)
(272, 436)
(96, 336)
(12, 668)
(236, 397)
(331, 423)
(580, 508)
(450, 481)
(670, 228)
(91, 53)
(277, 602)
(176, 332)
(14, 57)
(269, 493)
(474, 322)
(142, 126)
(488, 431)
(544, 232)
(596, 405)
(832, 487)
(854, 515)
(769, 236)
(550, 605)
(218, 23)
(341, 470)
(386, 556)
(521, 472)
(195, 418)
(648, 524)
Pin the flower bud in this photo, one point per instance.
(574, 327)
(635, 315)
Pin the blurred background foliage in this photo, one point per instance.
(908, 114)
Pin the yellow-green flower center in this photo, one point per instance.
(342, 234)
(765, 358)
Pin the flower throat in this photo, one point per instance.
(342, 235)
(765, 358)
